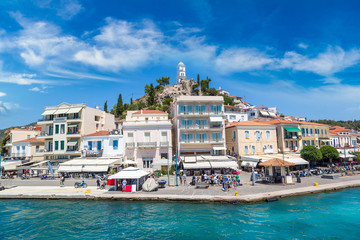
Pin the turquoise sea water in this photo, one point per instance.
(323, 216)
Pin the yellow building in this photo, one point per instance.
(251, 138)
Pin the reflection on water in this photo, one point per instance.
(323, 216)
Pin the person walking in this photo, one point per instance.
(98, 183)
(184, 176)
(124, 182)
(62, 180)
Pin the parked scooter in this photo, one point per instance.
(25, 176)
(80, 185)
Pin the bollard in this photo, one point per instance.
(236, 194)
(87, 191)
(316, 184)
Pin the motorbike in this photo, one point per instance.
(102, 185)
(80, 185)
(24, 176)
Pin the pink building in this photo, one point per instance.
(147, 137)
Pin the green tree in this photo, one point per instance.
(311, 154)
(329, 153)
(105, 106)
(119, 107)
(198, 80)
(211, 92)
(163, 81)
(167, 101)
(150, 91)
(228, 101)
(204, 84)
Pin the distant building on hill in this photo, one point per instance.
(181, 72)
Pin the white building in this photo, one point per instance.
(147, 137)
(181, 72)
(234, 114)
(103, 144)
(28, 149)
(223, 91)
(261, 112)
(19, 134)
(64, 125)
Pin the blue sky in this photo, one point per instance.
(301, 56)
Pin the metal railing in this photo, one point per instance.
(44, 134)
(146, 144)
(164, 144)
(130, 144)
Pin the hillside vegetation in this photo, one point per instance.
(350, 124)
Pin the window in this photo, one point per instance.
(247, 135)
(311, 131)
(147, 137)
(219, 108)
(182, 109)
(90, 145)
(322, 131)
(56, 129)
(232, 117)
(115, 144)
(307, 131)
(164, 137)
(197, 109)
(97, 118)
(147, 162)
(56, 145)
(203, 109)
(37, 149)
(23, 148)
(312, 143)
(286, 144)
(189, 109)
(258, 136)
(62, 145)
(62, 128)
(265, 148)
(303, 131)
(99, 145)
(268, 134)
(270, 147)
(216, 137)
(28, 136)
(253, 149)
(325, 131)
(234, 135)
(187, 138)
(201, 137)
(130, 137)
(246, 150)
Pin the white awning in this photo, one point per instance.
(224, 164)
(272, 114)
(72, 143)
(10, 165)
(61, 111)
(188, 159)
(130, 162)
(74, 110)
(250, 158)
(297, 161)
(69, 168)
(341, 155)
(72, 125)
(219, 148)
(248, 164)
(95, 168)
(198, 165)
(48, 112)
(216, 119)
(264, 113)
(129, 173)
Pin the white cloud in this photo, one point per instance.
(241, 59)
(2, 94)
(37, 89)
(66, 9)
(6, 107)
(303, 45)
(21, 79)
(333, 60)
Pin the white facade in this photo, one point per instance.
(64, 125)
(199, 125)
(234, 114)
(18, 134)
(181, 72)
(148, 139)
(223, 91)
(106, 145)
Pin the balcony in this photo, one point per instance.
(217, 140)
(46, 134)
(164, 144)
(91, 153)
(216, 113)
(146, 144)
(130, 144)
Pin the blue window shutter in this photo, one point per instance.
(203, 108)
(205, 136)
(205, 122)
(90, 145)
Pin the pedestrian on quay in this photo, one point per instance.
(98, 183)
(181, 180)
(124, 182)
(184, 176)
(62, 180)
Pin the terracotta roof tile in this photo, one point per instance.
(31, 140)
(99, 133)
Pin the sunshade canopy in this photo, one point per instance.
(292, 129)
(129, 173)
(74, 110)
(276, 162)
(49, 112)
(216, 119)
(72, 143)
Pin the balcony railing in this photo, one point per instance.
(164, 144)
(45, 134)
(146, 144)
(130, 144)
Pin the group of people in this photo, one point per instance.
(226, 181)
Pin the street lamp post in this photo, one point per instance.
(345, 156)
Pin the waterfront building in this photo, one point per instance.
(147, 138)
(18, 152)
(342, 137)
(262, 112)
(234, 114)
(63, 126)
(31, 149)
(199, 134)
(314, 134)
(251, 138)
(103, 144)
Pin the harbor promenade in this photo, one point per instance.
(245, 194)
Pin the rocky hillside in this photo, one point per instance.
(173, 91)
